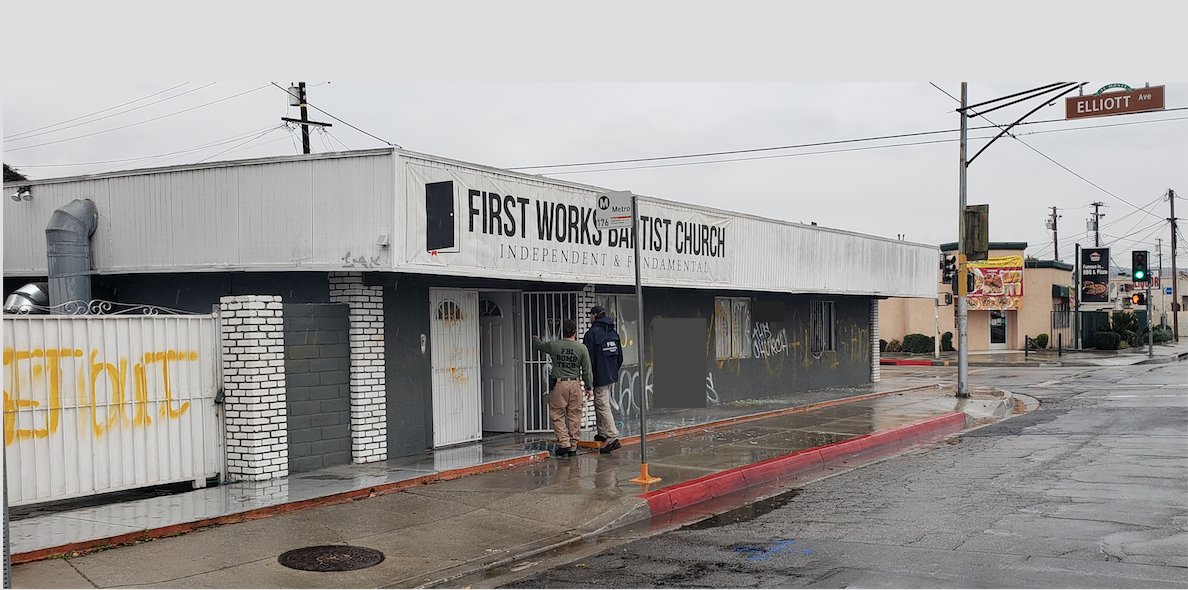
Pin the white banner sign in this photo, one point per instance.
(461, 221)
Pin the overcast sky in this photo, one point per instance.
(461, 106)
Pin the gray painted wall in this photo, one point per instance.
(317, 375)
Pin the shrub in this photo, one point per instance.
(1041, 341)
(882, 345)
(1106, 341)
(918, 343)
(893, 345)
(1162, 334)
(1125, 325)
(947, 342)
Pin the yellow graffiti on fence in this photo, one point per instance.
(47, 369)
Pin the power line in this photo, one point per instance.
(140, 122)
(728, 160)
(336, 118)
(13, 137)
(677, 164)
(113, 114)
(1045, 156)
(154, 156)
(240, 145)
(815, 144)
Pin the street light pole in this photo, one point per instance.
(962, 309)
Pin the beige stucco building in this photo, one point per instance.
(1043, 308)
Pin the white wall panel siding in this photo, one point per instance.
(275, 214)
(327, 211)
(97, 404)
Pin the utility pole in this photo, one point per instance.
(962, 309)
(1162, 298)
(1055, 242)
(1097, 223)
(297, 99)
(1171, 197)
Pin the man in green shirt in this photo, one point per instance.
(571, 366)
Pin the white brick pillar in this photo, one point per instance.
(585, 301)
(874, 341)
(369, 407)
(254, 387)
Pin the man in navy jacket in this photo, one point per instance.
(606, 356)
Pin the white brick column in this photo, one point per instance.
(254, 387)
(369, 406)
(874, 341)
(585, 301)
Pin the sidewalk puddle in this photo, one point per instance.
(744, 513)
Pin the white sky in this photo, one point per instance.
(526, 83)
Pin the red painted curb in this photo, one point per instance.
(915, 362)
(732, 480)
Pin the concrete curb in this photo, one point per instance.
(719, 484)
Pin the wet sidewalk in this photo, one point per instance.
(457, 511)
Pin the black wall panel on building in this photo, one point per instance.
(408, 372)
(317, 383)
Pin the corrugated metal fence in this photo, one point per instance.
(95, 404)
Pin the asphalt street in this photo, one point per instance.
(1089, 490)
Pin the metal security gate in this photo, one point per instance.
(96, 404)
(454, 337)
(1061, 330)
(543, 314)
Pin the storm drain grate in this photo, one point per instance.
(330, 558)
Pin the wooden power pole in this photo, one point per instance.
(297, 99)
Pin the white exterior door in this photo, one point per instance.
(454, 333)
(498, 362)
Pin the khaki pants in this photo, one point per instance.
(565, 412)
(602, 408)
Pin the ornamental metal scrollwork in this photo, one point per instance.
(95, 307)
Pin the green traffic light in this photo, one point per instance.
(1140, 275)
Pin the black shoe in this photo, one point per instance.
(610, 446)
(599, 438)
(566, 451)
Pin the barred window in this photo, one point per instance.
(732, 328)
(822, 327)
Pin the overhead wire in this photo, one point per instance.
(140, 122)
(822, 143)
(13, 137)
(240, 145)
(151, 157)
(112, 115)
(1045, 156)
(1071, 240)
(313, 106)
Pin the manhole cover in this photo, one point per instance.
(330, 558)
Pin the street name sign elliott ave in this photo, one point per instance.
(1126, 100)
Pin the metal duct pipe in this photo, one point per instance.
(68, 246)
(29, 299)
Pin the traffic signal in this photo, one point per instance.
(1139, 299)
(1139, 272)
(948, 268)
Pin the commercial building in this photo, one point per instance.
(1014, 298)
(408, 287)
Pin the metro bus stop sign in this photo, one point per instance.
(613, 211)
